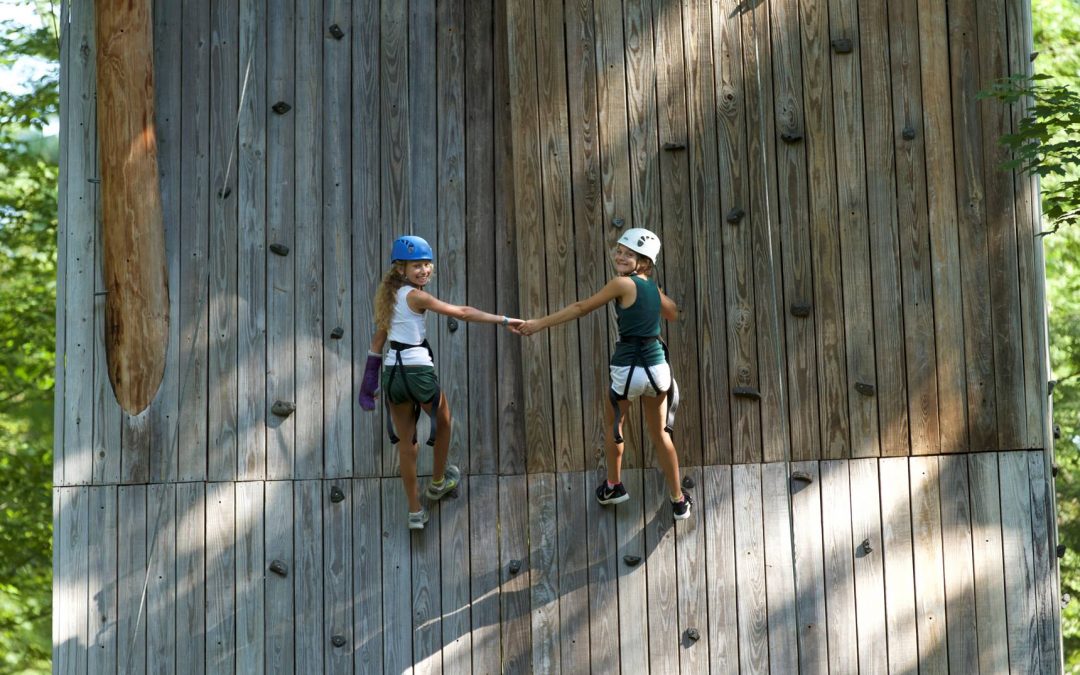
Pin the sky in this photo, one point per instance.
(11, 78)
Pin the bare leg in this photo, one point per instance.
(655, 410)
(405, 427)
(442, 437)
(614, 451)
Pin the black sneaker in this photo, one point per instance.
(682, 508)
(616, 494)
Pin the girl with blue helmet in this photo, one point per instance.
(639, 365)
(409, 383)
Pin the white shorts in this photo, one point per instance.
(639, 384)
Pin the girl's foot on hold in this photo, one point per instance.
(417, 519)
(451, 478)
(611, 494)
(683, 506)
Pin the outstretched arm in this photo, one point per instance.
(613, 289)
(422, 300)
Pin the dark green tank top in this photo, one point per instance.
(641, 319)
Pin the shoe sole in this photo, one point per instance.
(416, 526)
(439, 495)
(614, 500)
(683, 516)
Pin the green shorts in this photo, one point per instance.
(421, 380)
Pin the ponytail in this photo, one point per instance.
(386, 294)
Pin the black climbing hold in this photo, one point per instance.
(336, 32)
(692, 634)
(791, 136)
(279, 568)
(670, 146)
(337, 333)
(802, 477)
(279, 249)
(224, 193)
(865, 546)
(631, 560)
(1054, 469)
(336, 495)
(1061, 550)
(515, 566)
(800, 309)
(1057, 431)
(842, 45)
(1050, 386)
(95, 181)
(618, 222)
(451, 324)
(864, 388)
(283, 408)
(281, 107)
(1033, 55)
(735, 215)
(688, 482)
(746, 392)
(908, 133)
(338, 640)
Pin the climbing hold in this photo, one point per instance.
(908, 133)
(1061, 550)
(279, 568)
(515, 566)
(670, 146)
(800, 309)
(746, 392)
(451, 324)
(336, 495)
(618, 222)
(1057, 431)
(791, 136)
(692, 634)
(337, 333)
(1050, 386)
(336, 32)
(631, 560)
(224, 193)
(279, 249)
(338, 640)
(688, 482)
(1054, 469)
(1065, 599)
(735, 215)
(95, 181)
(866, 547)
(842, 45)
(281, 107)
(864, 388)
(283, 408)
(802, 477)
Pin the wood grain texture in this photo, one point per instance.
(717, 512)
(988, 562)
(956, 540)
(930, 591)
(839, 569)
(806, 513)
(870, 603)
(898, 552)
(544, 587)
(779, 568)
(750, 569)
(367, 565)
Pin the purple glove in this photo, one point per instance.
(370, 383)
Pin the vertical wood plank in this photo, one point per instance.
(544, 589)
(898, 551)
(944, 242)
(692, 583)
(367, 578)
(603, 584)
(839, 570)
(630, 538)
(1047, 601)
(195, 190)
(338, 596)
(719, 521)
(103, 547)
(280, 624)
(427, 610)
(750, 569)
(514, 594)
(73, 610)
(397, 654)
(809, 571)
(311, 330)
(573, 568)
(930, 601)
(779, 569)
(251, 576)
(1019, 563)
(423, 127)
(454, 541)
(988, 560)
(484, 572)
(161, 586)
(131, 580)
(833, 384)
(224, 93)
(122, 448)
(308, 580)
(663, 592)
(337, 129)
(190, 576)
(60, 315)
(220, 577)
(956, 538)
(870, 603)
(913, 215)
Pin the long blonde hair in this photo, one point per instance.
(386, 294)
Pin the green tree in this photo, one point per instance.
(28, 178)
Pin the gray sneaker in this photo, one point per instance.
(417, 520)
(451, 478)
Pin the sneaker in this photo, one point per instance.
(451, 478)
(417, 520)
(683, 506)
(616, 494)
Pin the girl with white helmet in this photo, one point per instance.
(409, 383)
(639, 365)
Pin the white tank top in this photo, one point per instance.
(407, 326)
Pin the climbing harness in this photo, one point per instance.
(639, 362)
(435, 400)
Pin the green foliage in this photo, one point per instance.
(28, 179)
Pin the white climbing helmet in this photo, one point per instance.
(640, 240)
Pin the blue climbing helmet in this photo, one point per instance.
(410, 247)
